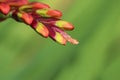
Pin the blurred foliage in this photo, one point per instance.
(25, 55)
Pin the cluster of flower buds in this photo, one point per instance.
(44, 20)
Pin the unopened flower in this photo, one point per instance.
(44, 20)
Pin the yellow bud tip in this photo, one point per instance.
(60, 39)
(54, 13)
(42, 29)
(25, 7)
(64, 25)
(49, 13)
(42, 12)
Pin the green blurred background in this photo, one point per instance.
(25, 55)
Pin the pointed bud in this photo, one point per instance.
(54, 13)
(49, 13)
(27, 18)
(4, 8)
(24, 7)
(58, 38)
(40, 28)
(38, 5)
(34, 5)
(64, 25)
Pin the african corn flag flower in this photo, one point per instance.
(39, 16)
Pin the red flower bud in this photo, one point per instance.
(4, 8)
(27, 18)
(54, 13)
(40, 28)
(49, 13)
(38, 5)
(64, 25)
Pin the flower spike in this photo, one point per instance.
(39, 16)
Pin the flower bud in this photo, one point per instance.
(40, 28)
(38, 5)
(64, 25)
(4, 8)
(34, 5)
(58, 38)
(49, 13)
(27, 18)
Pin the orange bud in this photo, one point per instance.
(58, 38)
(42, 29)
(27, 18)
(38, 5)
(49, 13)
(64, 25)
(4, 8)
(54, 13)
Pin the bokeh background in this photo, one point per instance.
(25, 55)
